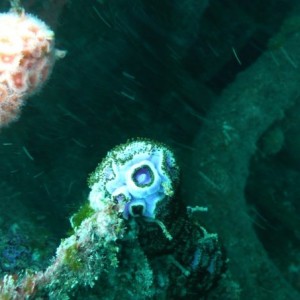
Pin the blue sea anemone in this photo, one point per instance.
(137, 176)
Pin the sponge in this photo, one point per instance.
(27, 55)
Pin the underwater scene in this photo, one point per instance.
(150, 149)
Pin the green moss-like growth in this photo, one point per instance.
(83, 213)
(71, 258)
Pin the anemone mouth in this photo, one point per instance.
(137, 209)
(120, 195)
(119, 198)
(143, 176)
